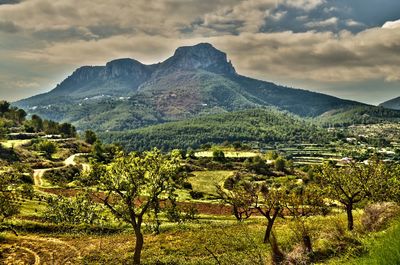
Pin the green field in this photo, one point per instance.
(229, 154)
(205, 181)
(15, 143)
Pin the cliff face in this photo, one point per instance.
(201, 56)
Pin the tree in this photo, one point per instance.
(10, 181)
(218, 155)
(49, 148)
(67, 130)
(302, 202)
(50, 127)
(353, 184)
(240, 195)
(268, 204)
(77, 210)
(256, 165)
(90, 137)
(133, 183)
(280, 164)
(37, 123)
(4, 106)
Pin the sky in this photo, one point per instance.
(346, 48)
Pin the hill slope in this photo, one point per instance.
(392, 104)
(265, 126)
(359, 115)
(196, 80)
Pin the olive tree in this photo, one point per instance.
(300, 203)
(269, 204)
(10, 182)
(240, 196)
(133, 183)
(354, 183)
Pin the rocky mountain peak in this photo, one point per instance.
(125, 67)
(200, 56)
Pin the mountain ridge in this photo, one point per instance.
(195, 80)
(391, 103)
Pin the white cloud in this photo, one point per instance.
(353, 23)
(306, 5)
(333, 21)
(392, 24)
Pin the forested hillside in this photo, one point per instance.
(256, 126)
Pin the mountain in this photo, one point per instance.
(392, 104)
(196, 80)
(259, 127)
(358, 115)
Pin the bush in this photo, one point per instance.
(47, 147)
(78, 210)
(376, 215)
(218, 155)
(196, 194)
(62, 176)
(187, 185)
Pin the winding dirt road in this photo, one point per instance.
(70, 161)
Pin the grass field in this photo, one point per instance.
(205, 181)
(15, 143)
(231, 154)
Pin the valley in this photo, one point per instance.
(60, 216)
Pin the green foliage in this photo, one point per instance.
(4, 106)
(355, 183)
(385, 249)
(240, 195)
(259, 126)
(77, 210)
(134, 183)
(90, 137)
(280, 164)
(218, 155)
(196, 194)
(10, 180)
(47, 147)
(358, 115)
(256, 165)
(62, 176)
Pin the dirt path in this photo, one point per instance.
(70, 161)
(35, 250)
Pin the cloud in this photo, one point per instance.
(306, 5)
(391, 24)
(313, 56)
(333, 21)
(290, 41)
(9, 27)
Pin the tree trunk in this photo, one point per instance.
(307, 243)
(268, 230)
(350, 220)
(138, 246)
(236, 213)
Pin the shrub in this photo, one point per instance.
(63, 175)
(187, 185)
(376, 215)
(196, 194)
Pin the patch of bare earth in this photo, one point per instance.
(38, 250)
